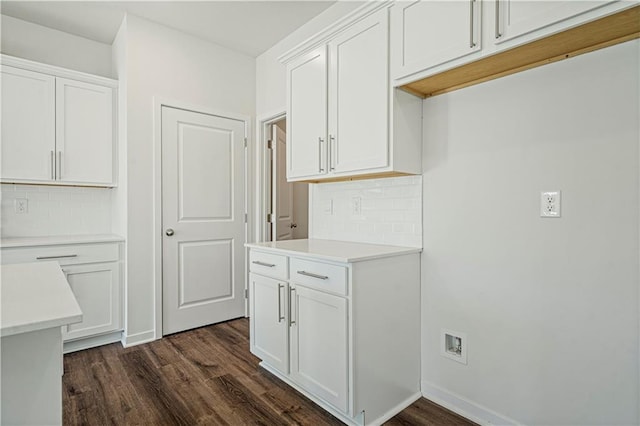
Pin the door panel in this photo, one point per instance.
(319, 345)
(97, 290)
(283, 192)
(269, 322)
(203, 204)
(359, 81)
(307, 119)
(84, 132)
(28, 125)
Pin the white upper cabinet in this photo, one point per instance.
(515, 18)
(307, 120)
(84, 130)
(28, 125)
(344, 119)
(56, 130)
(359, 97)
(433, 32)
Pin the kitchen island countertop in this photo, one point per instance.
(336, 251)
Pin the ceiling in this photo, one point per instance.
(250, 27)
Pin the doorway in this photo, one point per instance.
(286, 203)
(203, 218)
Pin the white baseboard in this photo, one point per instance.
(397, 409)
(91, 342)
(466, 408)
(138, 338)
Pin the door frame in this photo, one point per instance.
(158, 103)
(262, 172)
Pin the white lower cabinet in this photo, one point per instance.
(344, 334)
(94, 273)
(319, 344)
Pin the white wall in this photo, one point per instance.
(162, 62)
(550, 306)
(41, 44)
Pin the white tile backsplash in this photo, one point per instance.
(55, 210)
(391, 211)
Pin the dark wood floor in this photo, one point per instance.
(205, 376)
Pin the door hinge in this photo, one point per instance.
(246, 218)
(245, 142)
(269, 144)
(268, 217)
(246, 293)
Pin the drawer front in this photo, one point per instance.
(71, 254)
(318, 275)
(268, 264)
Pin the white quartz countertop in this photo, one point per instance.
(337, 251)
(35, 296)
(10, 242)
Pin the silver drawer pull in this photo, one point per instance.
(56, 257)
(312, 275)
(268, 265)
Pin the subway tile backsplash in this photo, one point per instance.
(390, 211)
(55, 210)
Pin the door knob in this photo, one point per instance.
(293, 225)
(169, 232)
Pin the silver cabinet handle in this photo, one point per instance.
(291, 320)
(53, 166)
(59, 164)
(320, 142)
(169, 232)
(332, 141)
(280, 316)
(62, 256)
(472, 43)
(312, 275)
(268, 265)
(497, 17)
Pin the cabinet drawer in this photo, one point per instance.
(271, 265)
(322, 276)
(71, 254)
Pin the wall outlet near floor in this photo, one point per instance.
(22, 206)
(550, 204)
(454, 346)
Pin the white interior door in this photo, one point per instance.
(203, 159)
(283, 190)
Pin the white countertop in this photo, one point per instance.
(10, 242)
(35, 296)
(336, 251)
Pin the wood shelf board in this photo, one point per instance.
(617, 28)
(357, 177)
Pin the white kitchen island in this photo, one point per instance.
(36, 301)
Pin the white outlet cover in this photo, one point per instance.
(22, 205)
(356, 206)
(550, 204)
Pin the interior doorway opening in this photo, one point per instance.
(286, 203)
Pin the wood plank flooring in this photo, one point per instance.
(205, 376)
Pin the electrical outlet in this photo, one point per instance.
(454, 345)
(22, 206)
(356, 206)
(328, 207)
(550, 204)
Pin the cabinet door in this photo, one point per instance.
(428, 33)
(319, 360)
(84, 132)
(307, 116)
(517, 17)
(28, 125)
(97, 290)
(359, 96)
(269, 325)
